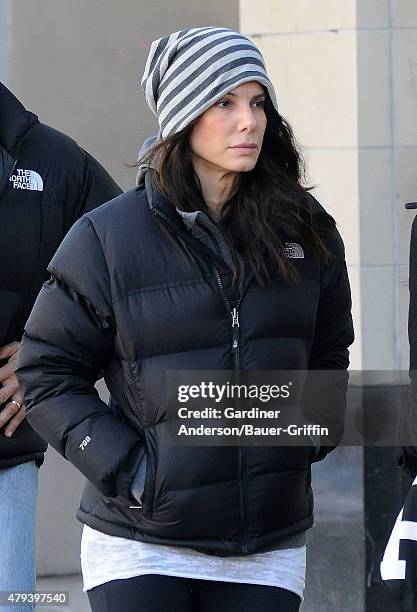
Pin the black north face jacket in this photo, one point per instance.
(46, 183)
(130, 293)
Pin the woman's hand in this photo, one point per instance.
(14, 411)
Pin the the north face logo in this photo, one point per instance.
(294, 250)
(26, 179)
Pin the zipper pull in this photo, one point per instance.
(235, 318)
(235, 325)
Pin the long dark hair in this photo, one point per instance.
(264, 203)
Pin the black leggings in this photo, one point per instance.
(155, 593)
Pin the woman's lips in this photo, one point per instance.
(245, 146)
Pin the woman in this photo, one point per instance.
(220, 259)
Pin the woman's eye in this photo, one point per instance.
(227, 104)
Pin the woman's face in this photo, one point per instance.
(229, 135)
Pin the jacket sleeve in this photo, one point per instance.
(325, 397)
(406, 452)
(68, 339)
(97, 188)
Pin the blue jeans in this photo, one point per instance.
(18, 493)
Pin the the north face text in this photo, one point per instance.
(26, 179)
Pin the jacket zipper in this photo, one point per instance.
(13, 168)
(8, 175)
(242, 456)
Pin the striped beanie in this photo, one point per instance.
(188, 71)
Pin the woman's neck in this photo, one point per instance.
(216, 186)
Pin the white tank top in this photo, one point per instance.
(105, 558)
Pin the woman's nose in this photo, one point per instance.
(247, 119)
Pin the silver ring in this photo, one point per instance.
(16, 404)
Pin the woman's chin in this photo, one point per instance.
(243, 166)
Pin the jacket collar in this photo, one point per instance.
(177, 220)
(15, 120)
(158, 203)
(144, 178)
(161, 207)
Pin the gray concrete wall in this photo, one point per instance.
(78, 66)
(387, 155)
(5, 14)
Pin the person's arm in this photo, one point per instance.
(97, 187)
(325, 396)
(68, 339)
(406, 453)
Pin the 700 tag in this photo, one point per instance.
(84, 443)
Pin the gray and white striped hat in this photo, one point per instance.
(188, 71)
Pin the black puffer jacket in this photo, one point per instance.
(134, 296)
(46, 183)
